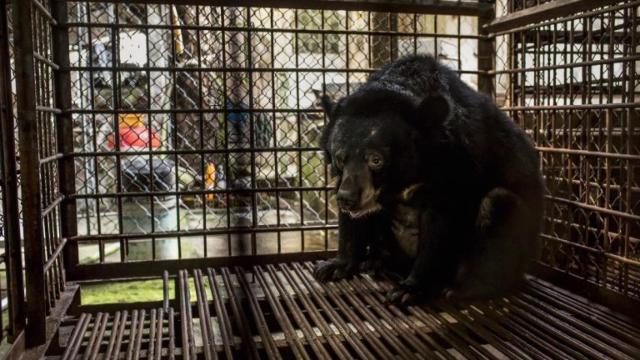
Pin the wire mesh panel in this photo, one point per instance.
(39, 156)
(196, 127)
(573, 85)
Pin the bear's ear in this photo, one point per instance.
(433, 110)
(329, 108)
(328, 105)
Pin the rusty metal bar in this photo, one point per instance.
(186, 316)
(450, 7)
(151, 353)
(398, 316)
(353, 337)
(135, 314)
(9, 174)
(172, 336)
(313, 312)
(120, 334)
(223, 318)
(240, 319)
(65, 136)
(206, 327)
(99, 327)
(29, 173)
(256, 314)
(384, 332)
(77, 336)
(159, 333)
(549, 10)
(296, 312)
(140, 331)
(118, 320)
(156, 268)
(623, 215)
(290, 334)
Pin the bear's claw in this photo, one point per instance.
(332, 270)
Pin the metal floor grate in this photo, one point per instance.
(279, 311)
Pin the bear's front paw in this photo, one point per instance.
(403, 294)
(334, 269)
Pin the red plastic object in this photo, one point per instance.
(135, 137)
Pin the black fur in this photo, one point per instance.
(479, 198)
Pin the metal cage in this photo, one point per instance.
(149, 140)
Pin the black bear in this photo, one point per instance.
(434, 182)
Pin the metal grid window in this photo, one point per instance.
(196, 127)
(573, 87)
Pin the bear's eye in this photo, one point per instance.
(375, 161)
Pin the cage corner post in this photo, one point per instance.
(35, 331)
(65, 137)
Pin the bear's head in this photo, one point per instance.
(372, 143)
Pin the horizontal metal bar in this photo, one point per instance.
(617, 156)
(274, 31)
(57, 201)
(546, 11)
(51, 158)
(200, 192)
(157, 267)
(567, 65)
(443, 7)
(572, 107)
(46, 61)
(624, 215)
(218, 231)
(55, 254)
(595, 293)
(193, 111)
(197, 151)
(115, 280)
(618, 258)
(234, 69)
(598, 231)
(48, 109)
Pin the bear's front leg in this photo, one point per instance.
(352, 248)
(434, 264)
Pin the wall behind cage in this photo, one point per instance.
(196, 127)
(572, 83)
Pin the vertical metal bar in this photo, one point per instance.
(275, 137)
(115, 82)
(13, 256)
(485, 55)
(152, 176)
(252, 130)
(298, 129)
(201, 117)
(633, 123)
(65, 136)
(30, 174)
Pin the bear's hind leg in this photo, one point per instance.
(506, 240)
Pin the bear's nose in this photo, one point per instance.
(347, 199)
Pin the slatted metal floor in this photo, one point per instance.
(280, 311)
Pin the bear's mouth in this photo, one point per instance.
(356, 214)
